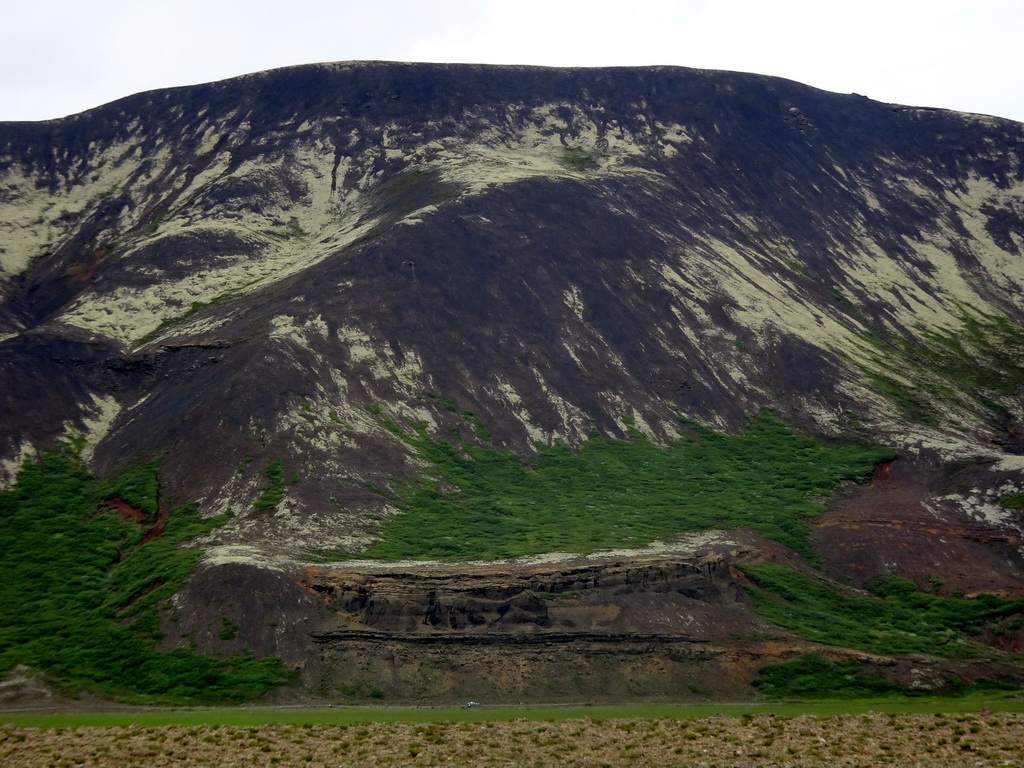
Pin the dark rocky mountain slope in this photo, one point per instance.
(271, 282)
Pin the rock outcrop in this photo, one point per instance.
(669, 625)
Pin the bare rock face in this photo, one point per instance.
(603, 597)
(596, 628)
(945, 547)
(276, 267)
(20, 689)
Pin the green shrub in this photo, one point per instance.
(814, 677)
(898, 619)
(273, 491)
(229, 630)
(578, 159)
(138, 486)
(1012, 501)
(477, 425)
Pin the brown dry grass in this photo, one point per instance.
(985, 739)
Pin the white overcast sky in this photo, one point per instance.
(64, 56)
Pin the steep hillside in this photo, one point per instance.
(351, 303)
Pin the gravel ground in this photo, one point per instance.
(985, 739)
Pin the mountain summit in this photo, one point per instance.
(463, 313)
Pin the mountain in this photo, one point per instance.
(686, 327)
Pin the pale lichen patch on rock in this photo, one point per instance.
(542, 141)
(97, 422)
(575, 426)
(514, 402)
(26, 223)
(973, 199)
(130, 314)
(245, 554)
(1010, 463)
(574, 301)
(701, 544)
(10, 467)
(981, 506)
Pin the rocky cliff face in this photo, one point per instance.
(475, 602)
(661, 624)
(273, 268)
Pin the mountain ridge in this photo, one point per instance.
(273, 282)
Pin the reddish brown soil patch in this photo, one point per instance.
(86, 270)
(881, 473)
(126, 511)
(895, 524)
(158, 528)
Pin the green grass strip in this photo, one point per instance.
(979, 365)
(347, 715)
(274, 490)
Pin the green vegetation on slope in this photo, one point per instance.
(140, 583)
(1012, 501)
(977, 366)
(816, 677)
(80, 593)
(273, 491)
(136, 486)
(898, 619)
(579, 159)
(482, 503)
(812, 676)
